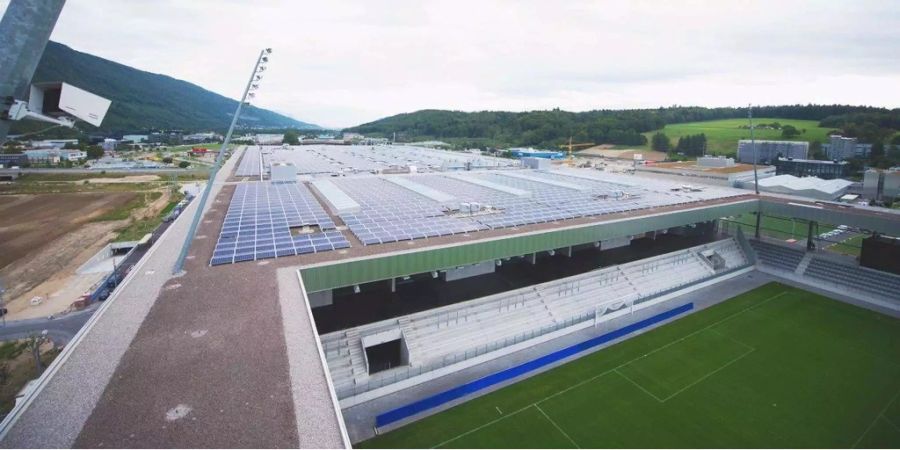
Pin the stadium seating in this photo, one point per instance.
(777, 256)
(871, 282)
(453, 333)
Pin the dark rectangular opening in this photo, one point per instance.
(384, 356)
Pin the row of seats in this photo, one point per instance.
(454, 332)
(872, 282)
(777, 256)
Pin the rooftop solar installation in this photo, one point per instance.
(272, 220)
(550, 181)
(338, 200)
(319, 160)
(251, 163)
(433, 194)
(390, 213)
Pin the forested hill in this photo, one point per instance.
(143, 100)
(547, 128)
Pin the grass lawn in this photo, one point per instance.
(723, 135)
(852, 246)
(779, 227)
(775, 367)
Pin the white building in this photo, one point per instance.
(135, 138)
(810, 187)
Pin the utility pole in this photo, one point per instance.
(755, 177)
(24, 31)
(252, 84)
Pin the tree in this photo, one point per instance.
(291, 137)
(184, 164)
(94, 152)
(167, 160)
(33, 344)
(815, 150)
(789, 131)
(660, 142)
(877, 150)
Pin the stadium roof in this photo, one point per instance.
(806, 186)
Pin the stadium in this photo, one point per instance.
(397, 296)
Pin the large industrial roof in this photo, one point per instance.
(798, 185)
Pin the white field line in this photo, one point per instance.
(557, 427)
(637, 385)
(581, 383)
(880, 414)
(709, 374)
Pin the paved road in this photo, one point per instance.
(60, 329)
(97, 171)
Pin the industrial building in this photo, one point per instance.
(337, 299)
(840, 148)
(826, 170)
(881, 184)
(809, 187)
(769, 151)
(534, 153)
(709, 170)
(8, 160)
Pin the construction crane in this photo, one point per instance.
(571, 146)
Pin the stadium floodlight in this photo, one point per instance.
(356, 289)
(58, 103)
(195, 222)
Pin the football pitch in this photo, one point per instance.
(774, 367)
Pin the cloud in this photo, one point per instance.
(342, 63)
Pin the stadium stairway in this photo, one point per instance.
(830, 272)
(442, 337)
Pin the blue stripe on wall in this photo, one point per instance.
(441, 398)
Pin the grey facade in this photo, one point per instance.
(840, 148)
(769, 151)
(826, 170)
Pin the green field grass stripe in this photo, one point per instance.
(879, 417)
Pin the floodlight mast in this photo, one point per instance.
(252, 85)
(24, 31)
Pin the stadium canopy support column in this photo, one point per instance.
(393, 285)
(809, 237)
(533, 258)
(758, 220)
(24, 31)
(568, 251)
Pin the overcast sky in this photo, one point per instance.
(339, 64)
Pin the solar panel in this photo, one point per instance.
(271, 220)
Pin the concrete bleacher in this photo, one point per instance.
(871, 282)
(777, 256)
(454, 333)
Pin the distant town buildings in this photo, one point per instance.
(533, 153)
(810, 187)
(8, 160)
(769, 151)
(52, 143)
(827, 170)
(136, 138)
(840, 148)
(54, 156)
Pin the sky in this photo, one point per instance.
(339, 64)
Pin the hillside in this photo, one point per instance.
(618, 127)
(143, 100)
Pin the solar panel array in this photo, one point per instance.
(259, 222)
(250, 165)
(391, 213)
(351, 159)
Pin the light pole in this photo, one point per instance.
(24, 31)
(755, 177)
(252, 85)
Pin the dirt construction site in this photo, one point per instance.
(45, 238)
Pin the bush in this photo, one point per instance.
(184, 164)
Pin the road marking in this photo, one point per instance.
(581, 383)
(498, 410)
(557, 426)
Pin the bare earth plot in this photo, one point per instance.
(775, 367)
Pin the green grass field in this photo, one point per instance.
(774, 367)
(723, 135)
